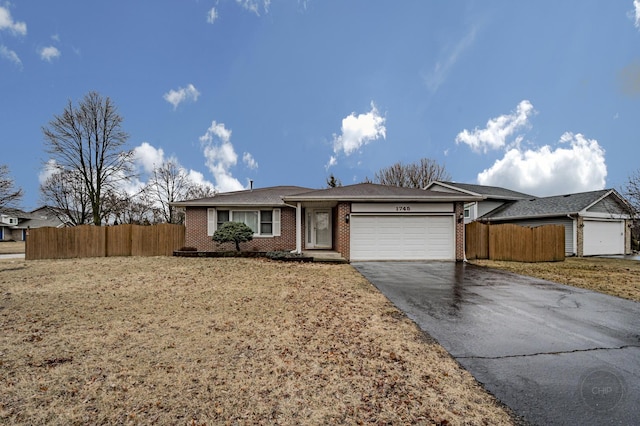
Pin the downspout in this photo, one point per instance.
(464, 238)
(464, 243)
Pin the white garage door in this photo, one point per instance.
(402, 238)
(602, 237)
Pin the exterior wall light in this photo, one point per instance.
(347, 217)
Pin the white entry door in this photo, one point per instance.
(319, 229)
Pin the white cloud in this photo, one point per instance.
(198, 178)
(220, 157)
(212, 15)
(47, 171)
(49, 53)
(358, 131)
(438, 75)
(148, 157)
(332, 162)
(176, 97)
(250, 162)
(10, 55)
(551, 171)
(254, 5)
(498, 129)
(7, 23)
(635, 14)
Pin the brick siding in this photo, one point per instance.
(196, 233)
(580, 237)
(342, 230)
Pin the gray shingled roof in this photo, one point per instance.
(271, 196)
(376, 192)
(490, 191)
(558, 205)
(15, 213)
(39, 223)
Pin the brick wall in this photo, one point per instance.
(627, 236)
(580, 237)
(196, 233)
(342, 230)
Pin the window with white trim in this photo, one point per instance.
(264, 223)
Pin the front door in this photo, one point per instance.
(319, 229)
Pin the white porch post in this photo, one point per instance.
(299, 228)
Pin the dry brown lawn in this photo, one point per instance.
(617, 277)
(11, 247)
(194, 341)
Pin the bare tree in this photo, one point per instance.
(414, 175)
(9, 194)
(632, 193)
(64, 191)
(138, 209)
(198, 190)
(333, 182)
(89, 139)
(169, 183)
(632, 190)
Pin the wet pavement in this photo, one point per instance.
(555, 354)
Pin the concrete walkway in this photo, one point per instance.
(12, 256)
(327, 256)
(554, 354)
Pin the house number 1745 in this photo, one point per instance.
(403, 208)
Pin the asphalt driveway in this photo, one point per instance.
(555, 354)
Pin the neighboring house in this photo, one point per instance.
(492, 197)
(8, 220)
(14, 223)
(362, 222)
(596, 222)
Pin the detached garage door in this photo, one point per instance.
(402, 237)
(602, 237)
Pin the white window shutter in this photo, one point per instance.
(276, 222)
(211, 221)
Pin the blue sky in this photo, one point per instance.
(541, 97)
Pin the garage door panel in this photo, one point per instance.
(603, 237)
(401, 237)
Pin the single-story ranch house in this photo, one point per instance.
(361, 222)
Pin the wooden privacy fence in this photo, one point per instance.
(101, 241)
(512, 242)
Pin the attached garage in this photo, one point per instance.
(603, 237)
(400, 237)
(382, 222)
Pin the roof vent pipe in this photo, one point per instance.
(251, 184)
